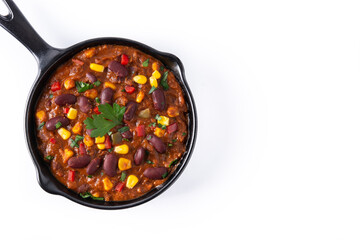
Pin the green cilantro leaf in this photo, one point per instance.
(97, 83)
(163, 81)
(58, 125)
(110, 117)
(145, 63)
(82, 87)
(123, 176)
(124, 129)
(49, 158)
(152, 89)
(41, 125)
(173, 162)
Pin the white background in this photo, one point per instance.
(276, 85)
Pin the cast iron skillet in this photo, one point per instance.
(49, 59)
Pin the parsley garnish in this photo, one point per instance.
(162, 68)
(145, 63)
(164, 175)
(82, 87)
(162, 126)
(41, 125)
(97, 83)
(152, 124)
(104, 122)
(157, 117)
(174, 140)
(149, 162)
(97, 100)
(124, 129)
(58, 124)
(74, 142)
(87, 195)
(51, 96)
(170, 145)
(49, 158)
(184, 133)
(173, 162)
(152, 89)
(89, 176)
(110, 150)
(123, 176)
(163, 81)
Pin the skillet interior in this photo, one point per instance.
(45, 178)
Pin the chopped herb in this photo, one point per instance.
(174, 140)
(125, 139)
(153, 88)
(184, 133)
(89, 176)
(149, 162)
(41, 125)
(74, 142)
(163, 81)
(110, 150)
(87, 195)
(173, 162)
(149, 137)
(123, 90)
(152, 124)
(97, 99)
(97, 83)
(49, 157)
(82, 87)
(162, 126)
(109, 133)
(164, 175)
(170, 145)
(110, 117)
(124, 129)
(157, 117)
(123, 176)
(145, 63)
(101, 173)
(51, 96)
(58, 125)
(162, 68)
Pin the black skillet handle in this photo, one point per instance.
(17, 25)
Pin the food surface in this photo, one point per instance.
(112, 123)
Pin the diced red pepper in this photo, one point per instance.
(119, 187)
(52, 140)
(66, 110)
(71, 175)
(96, 110)
(129, 89)
(140, 130)
(172, 128)
(55, 86)
(107, 142)
(77, 61)
(124, 59)
(82, 148)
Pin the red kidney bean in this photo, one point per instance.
(158, 99)
(84, 104)
(139, 156)
(155, 172)
(79, 161)
(172, 128)
(63, 99)
(110, 164)
(106, 96)
(91, 77)
(158, 144)
(131, 107)
(117, 68)
(128, 134)
(51, 124)
(94, 165)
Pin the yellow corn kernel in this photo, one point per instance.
(140, 79)
(173, 112)
(153, 81)
(109, 85)
(156, 74)
(77, 128)
(90, 52)
(132, 180)
(97, 67)
(69, 83)
(122, 149)
(91, 93)
(67, 155)
(72, 114)
(64, 134)
(100, 139)
(100, 146)
(108, 185)
(124, 164)
(140, 96)
(41, 115)
(88, 141)
(159, 132)
(163, 120)
(154, 66)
